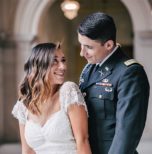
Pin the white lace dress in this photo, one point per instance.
(55, 136)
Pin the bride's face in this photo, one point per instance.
(58, 68)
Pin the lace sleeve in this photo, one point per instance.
(71, 94)
(19, 112)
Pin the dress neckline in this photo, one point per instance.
(49, 117)
(47, 121)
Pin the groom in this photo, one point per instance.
(116, 88)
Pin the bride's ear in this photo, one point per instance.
(109, 45)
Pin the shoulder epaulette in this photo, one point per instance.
(130, 62)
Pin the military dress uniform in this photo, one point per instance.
(117, 96)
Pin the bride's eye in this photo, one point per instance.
(63, 60)
(55, 61)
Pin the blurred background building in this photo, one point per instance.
(23, 23)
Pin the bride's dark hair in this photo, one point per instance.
(35, 87)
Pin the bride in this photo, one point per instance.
(52, 114)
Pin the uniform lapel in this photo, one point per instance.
(103, 71)
(100, 74)
(85, 76)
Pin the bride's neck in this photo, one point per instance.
(54, 90)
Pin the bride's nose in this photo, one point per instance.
(62, 66)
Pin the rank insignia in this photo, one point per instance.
(130, 62)
(101, 73)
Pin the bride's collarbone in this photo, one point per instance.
(47, 110)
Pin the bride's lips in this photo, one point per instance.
(59, 74)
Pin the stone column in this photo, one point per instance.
(7, 83)
(24, 46)
(14, 51)
(1, 89)
(143, 53)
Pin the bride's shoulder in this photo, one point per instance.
(69, 85)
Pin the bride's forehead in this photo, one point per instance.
(59, 53)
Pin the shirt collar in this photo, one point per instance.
(100, 64)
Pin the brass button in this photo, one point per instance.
(100, 96)
(84, 94)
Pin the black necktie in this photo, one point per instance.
(93, 72)
(95, 68)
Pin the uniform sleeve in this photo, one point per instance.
(19, 112)
(131, 110)
(71, 94)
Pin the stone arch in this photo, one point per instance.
(140, 13)
(28, 16)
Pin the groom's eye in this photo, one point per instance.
(89, 47)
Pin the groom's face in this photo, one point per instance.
(93, 51)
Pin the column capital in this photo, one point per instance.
(6, 40)
(23, 37)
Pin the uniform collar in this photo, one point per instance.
(100, 64)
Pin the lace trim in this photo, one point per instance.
(19, 112)
(71, 94)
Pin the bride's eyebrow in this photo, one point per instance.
(56, 58)
(61, 57)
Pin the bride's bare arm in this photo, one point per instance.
(79, 122)
(25, 147)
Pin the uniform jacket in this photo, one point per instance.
(117, 98)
